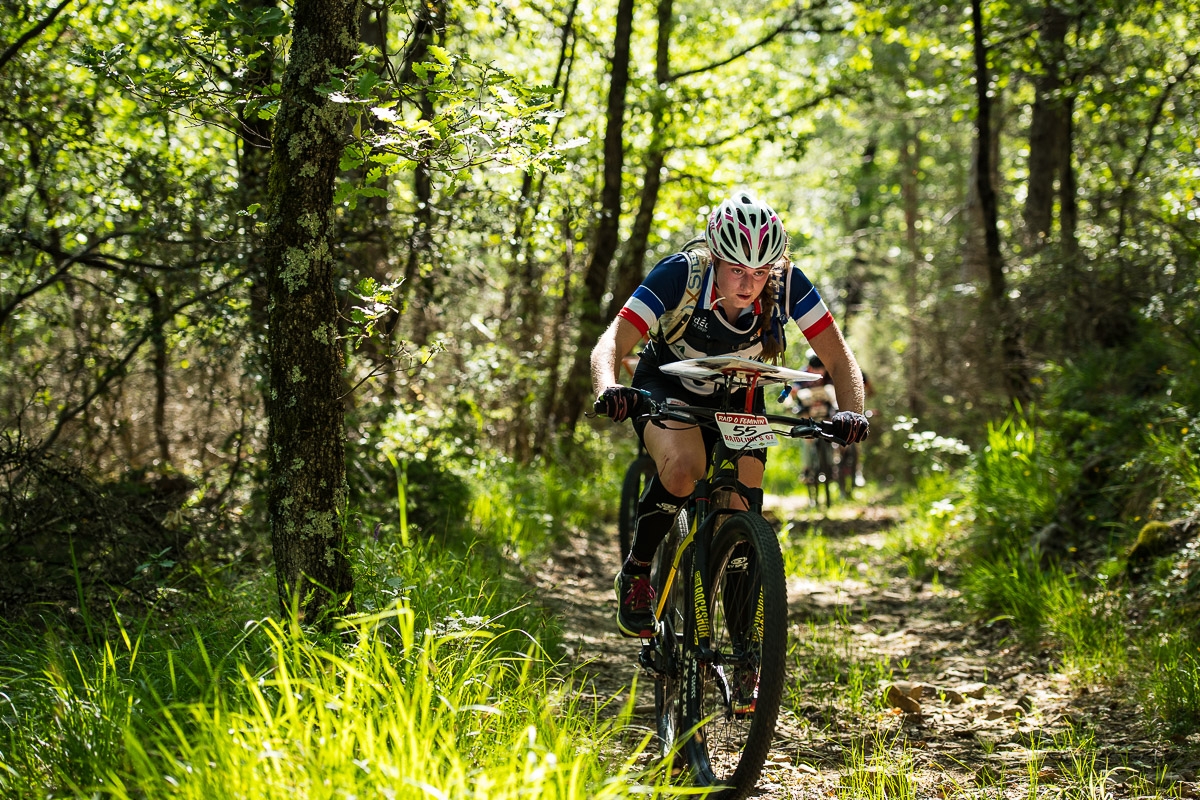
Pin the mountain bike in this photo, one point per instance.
(639, 473)
(718, 656)
(819, 471)
(847, 469)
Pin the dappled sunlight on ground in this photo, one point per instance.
(893, 690)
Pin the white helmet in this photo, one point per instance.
(745, 230)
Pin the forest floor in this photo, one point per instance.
(985, 718)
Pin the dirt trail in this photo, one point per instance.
(984, 717)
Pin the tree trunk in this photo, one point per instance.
(1049, 148)
(975, 263)
(631, 267)
(529, 284)
(306, 435)
(158, 339)
(604, 244)
(1016, 381)
(420, 276)
(542, 441)
(860, 224)
(910, 160)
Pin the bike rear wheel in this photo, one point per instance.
(636, 478)
(733, 700)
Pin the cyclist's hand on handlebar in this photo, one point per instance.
(618, 403)
(849, 426)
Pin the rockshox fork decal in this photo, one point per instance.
(700, 610)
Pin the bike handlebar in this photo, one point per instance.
(796, 427)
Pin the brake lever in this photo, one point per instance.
(661, 417)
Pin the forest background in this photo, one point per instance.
(224, 356)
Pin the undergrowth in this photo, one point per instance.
(1042, 548)
(445, 685)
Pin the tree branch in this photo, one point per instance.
(805, 106)
(788, 26)
(33, 32)
(118, 369)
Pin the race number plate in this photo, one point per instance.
(742, 430)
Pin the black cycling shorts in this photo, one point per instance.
(663, 387)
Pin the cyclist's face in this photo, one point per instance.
(739, 286)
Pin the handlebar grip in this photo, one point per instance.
(816, 429)
(600, 408)
(826, 427)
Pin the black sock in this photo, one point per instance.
(657, 510)
(634, 567)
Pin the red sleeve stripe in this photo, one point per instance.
(821, 324)
(635, 318)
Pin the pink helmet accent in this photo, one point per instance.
(745, 230)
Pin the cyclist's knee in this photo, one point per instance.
(679, 475)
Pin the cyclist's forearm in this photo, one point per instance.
(849, 384)
(604, 362)
(832, 349)
(614, 344)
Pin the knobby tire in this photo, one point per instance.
(729, 750)
(636, 477)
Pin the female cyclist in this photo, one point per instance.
(729, 295)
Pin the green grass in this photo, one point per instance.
(883, 773)
(445, 689)
(811, 555)
(447, 684)
(386, 708)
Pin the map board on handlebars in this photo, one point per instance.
(743, 370)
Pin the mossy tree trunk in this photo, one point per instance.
(577, 388)
(307, 491)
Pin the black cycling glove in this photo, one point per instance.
(849, 426)
(618, 403)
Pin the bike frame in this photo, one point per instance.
(703, 513)
(688, 652)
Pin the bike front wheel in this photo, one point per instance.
(731, 697)
(668, 705)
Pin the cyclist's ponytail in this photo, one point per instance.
(770, 326)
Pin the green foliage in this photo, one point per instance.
(1167, 469)
(528, 507)
(941, 515)
(1172, 687)
(1015, 482)
(459, 493)
(1107, 451)
(445, 681)
(482, 117)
